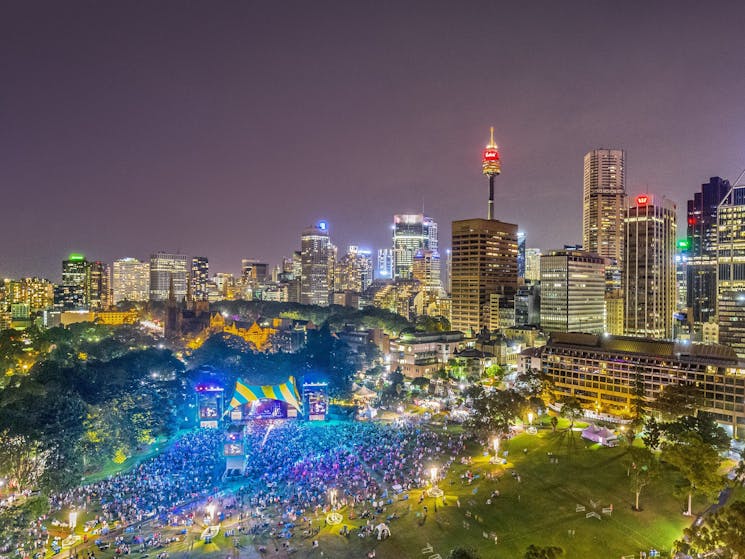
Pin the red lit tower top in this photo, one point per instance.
(490, 162)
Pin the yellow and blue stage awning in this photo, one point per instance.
(285, 392)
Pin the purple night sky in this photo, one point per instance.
(224, 128)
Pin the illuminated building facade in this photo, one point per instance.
(573, 292)
(411, 232)
(701, 265)
(97, 288)
(130, 280)
(316, 254)
(200, 278)
(163, 267)
(385, 264)
(354, 271)
(605, 372)
(37, 293)
(649, 267)
(71, 293)
(532, 265)
(603, 205)
(484, 263)
(731, 269)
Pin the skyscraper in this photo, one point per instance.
(701, 265)
(130, 280)
(603, 205)
(385, 264)
(316, 254)
(484, 265)
(532, 264)
(72, 293)
(411, 232)
(521, 254)
(163, 267)
(200, 278)
(354, 270)
(573, 292)
(97, 287)
(649, 267)
(730, 235)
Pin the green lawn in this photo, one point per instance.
(541, 509)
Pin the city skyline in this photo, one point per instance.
(129, 126)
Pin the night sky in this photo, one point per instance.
(224, 128)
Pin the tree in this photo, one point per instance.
(703, 424)
(571, 409)
(493, 410)
(723, 533)
(463, 553)
(675, 400)
(697, 462)
(554, 423)
(548, 552)
(652, 433)
(641, 473)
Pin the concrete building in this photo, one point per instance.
(422, 354)
(605, 373)
(572, 292)
(649, 267)
(484, 263)
(731, 270)
(163, 267)
(603, 205)
(411, 233)
(316, 279)
(130, 280)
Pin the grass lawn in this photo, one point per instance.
(541, 509)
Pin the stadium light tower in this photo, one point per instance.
(491, 167)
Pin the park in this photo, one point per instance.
(548, 489)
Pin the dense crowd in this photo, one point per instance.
(294, 470)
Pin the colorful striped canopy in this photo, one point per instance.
(285, 392)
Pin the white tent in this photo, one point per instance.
(601, 435)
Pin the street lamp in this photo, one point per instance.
(210, 511)
(433, 476)
(73, 521)
(530, 418)
(332, 497)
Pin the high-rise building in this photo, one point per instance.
(532, 264)
(163, 267)
(130, 280)
(253, 272)
(316, 254)
(484, 263)
(701, 266)
(36, 293)
(521, 254)
(200, 278)
(730, 235)
(354, 270)
(649, 267)
(426, 270)
(97, 288)
(71, 293)
(603, 205)
(411, 232)
(573, 292)
(385, 264)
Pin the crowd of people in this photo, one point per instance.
(294, 471)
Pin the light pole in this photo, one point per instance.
(435, 491)
(73, 521)
(530, 418)
(210, 511)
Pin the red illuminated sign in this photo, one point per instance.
(691, 221)
(491, 154)
(642, 200)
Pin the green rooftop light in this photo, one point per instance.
(684, 244)
(76, 257)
